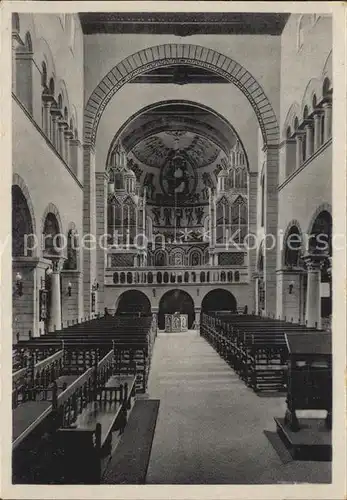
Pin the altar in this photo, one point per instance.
(176, 322)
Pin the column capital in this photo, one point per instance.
(327, 103)
(314, 261)
(308, 123)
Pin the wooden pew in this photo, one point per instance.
(254, 347)
(92, 408)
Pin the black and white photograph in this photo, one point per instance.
(176, 313)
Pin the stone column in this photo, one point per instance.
(327, 107)
(256, 290)
(289, 294)
(60, 138)
(317, 129)
(74, 148)
(89, 224)
(55, 304)
(55, 115)
(309, 139)
(68, 136)
(313, 298)
(270, 226)
(197, 312)
(252, 229)
(298, 138)
(46, 105)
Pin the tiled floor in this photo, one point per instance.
(210, 427)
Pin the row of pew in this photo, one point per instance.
(70, 391)
(253, 346)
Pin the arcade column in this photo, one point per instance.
(197, 312)
(313, 297)
(54, 322)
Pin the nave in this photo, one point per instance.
(210, 427)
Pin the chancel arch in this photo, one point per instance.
(133, 302)
(176, 301)
(178, 54)
(219, 300)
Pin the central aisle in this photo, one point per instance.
(210, 425)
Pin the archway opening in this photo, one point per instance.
(219, 300)
(133, 303)
(22, 227)
(321, 243)
(176, 301)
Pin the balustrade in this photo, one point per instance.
(176, 276)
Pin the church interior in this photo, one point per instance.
(171, 248)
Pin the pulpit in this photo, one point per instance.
(176, 322)
(309, 388)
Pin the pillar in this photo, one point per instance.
(74, 158)
(313, 298)
(101, 181)
(252, 229)
(46, 106)
(270, 226)
(289, 295)
(55, 114)
(16, 44)
(317, 127)
(309, 139)
(197, 312)
(89, 224)
(60, 139)
(327, 107)
(298, 138)
(68, 135)
(55, 304)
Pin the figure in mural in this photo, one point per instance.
(178, 216)
(167, 216)
(149, 185)
(208, 183)
(157, 215)
(189, 216)
(199, 213)
(177, 177)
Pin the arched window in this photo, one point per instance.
(150, 277)
(66, 114)
(288, 132)
(71, 262)
(237, 276)
(122, 277)
(314, 102)
(28, 42)
(166, 277)
(186, 277)
(293, 247)
(129, 278)
(230, 276)
(296, 123)
(60, 101)
(222, 276)
(51, 87)
(15, 22)
(115, 278)
(202, 277)
(159, 278)
(326, 87)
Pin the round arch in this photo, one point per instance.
(22, 224)
(176, 301)
(173, 102)
(291, 255)
(178, 54)
(219, 299)
(133, 302)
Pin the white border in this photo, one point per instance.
(336, 490)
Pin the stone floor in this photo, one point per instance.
(210, 428)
